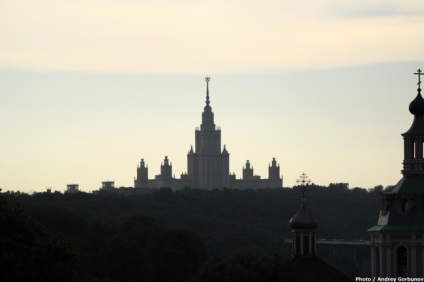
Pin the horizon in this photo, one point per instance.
(88, 88)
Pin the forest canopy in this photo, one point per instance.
(120, 237)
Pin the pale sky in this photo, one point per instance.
(88, 88)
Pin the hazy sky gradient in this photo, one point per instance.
(87, 88)
(213, 36)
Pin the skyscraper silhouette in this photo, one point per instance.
(208, 165)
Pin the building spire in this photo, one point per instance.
(207, 79)
(419, 73)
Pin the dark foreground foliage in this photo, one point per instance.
(135, 250)
(245, 268)
(163, 236)
(27, 253)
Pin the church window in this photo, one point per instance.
(306, 245)
(402, 261)
(298, 245)
(421, 150)
(376, 262)
(413, 149)
(404, 206)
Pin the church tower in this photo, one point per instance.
(397, 241)
(208, 166)
(166, 169)
(305, 265)
(303, 227)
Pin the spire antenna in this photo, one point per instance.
(207, 79)
(419, 73)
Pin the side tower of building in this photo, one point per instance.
(274, 178)
(397, 241)
(252, 181)
(208, 166)
(141, 181)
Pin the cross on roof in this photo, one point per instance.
(303, 180)
(419, 73)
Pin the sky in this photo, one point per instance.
(88, 88)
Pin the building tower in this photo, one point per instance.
(303, 226)
(397, 241)
(207, 165)
(142, 175)
(274, 178)
(274, 170)
(305, 265)
(247, 171)
(165, 170)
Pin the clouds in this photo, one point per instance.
(195, 36)
(379, 9)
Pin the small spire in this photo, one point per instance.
(207, 79)
(419, 73)
(224, 151)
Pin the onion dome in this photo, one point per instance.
(416, 107)
(303, 220)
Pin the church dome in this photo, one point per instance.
(416, 107)
(303, 220)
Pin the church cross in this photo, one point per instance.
(303, 180)
(419, 73)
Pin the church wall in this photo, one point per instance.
(386, 265)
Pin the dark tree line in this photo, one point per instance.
(71, 248)
(165, 235)
(27, 253)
